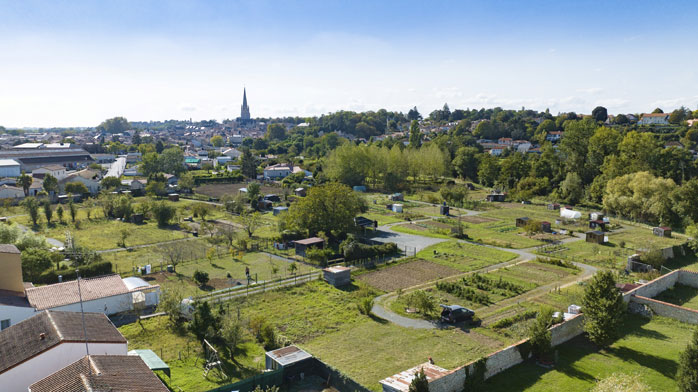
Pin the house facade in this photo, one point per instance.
(654, 119)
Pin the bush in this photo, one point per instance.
(163, 213)
(87, 271)
(687, 375)
(620, 382)
(354, 250)
(539, 334)
(509, 321)
(201, 277)
(454, 195)
(365, 305)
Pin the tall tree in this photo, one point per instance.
(465, 162)
(687, 375)
(329, 208)
(50, 184)
(603, 308)
(217, 141)
(413, 114)
(25, 181)
(600, 114)
(415, 135)
(114, 125)
(276, 131)
(248, 164)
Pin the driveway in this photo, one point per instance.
(410, 243)
(117, 168)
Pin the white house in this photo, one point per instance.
(233, 153)
(107, 294)
(57, 171)
(9, 168)
(654, 118)
(235, 140)
(278, 171)
(90, 178)
(49, 341)
(11, 192)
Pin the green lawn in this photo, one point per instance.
(681, 295)
(463, 256)
(636, 237)
(260, 265)
(181, 351)
(649, 349)
(125, 260)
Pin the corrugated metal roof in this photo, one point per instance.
(288, 355)
(402, 380)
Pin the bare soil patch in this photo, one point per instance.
(406, 275)
(218, 190)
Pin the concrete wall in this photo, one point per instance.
(506, 358)
(688, 278)
(668, 310)
(654, 287)
(16, 313)
(11, 276)
(18, 378)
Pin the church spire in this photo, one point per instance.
(245, 110)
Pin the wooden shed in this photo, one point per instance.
(662, 231)
(498, 197)
(522, 222)
(302, 245)
(546, 227)
(553, 206)
(337, 276)
(595, 237)
(173, 197)
(137, 218)
(597, 224)
(300, 192)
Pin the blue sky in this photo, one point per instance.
(68, 63)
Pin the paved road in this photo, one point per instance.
(117, 168)
(409, 242)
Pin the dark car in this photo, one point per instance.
(455, 313)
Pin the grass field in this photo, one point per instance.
(607, 256)
(636, 237)
(681, 295)
(181, 351)
(649, 349)
(464, 257)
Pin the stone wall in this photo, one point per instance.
(688, 278)
(668, 310)
(654, 287)
(507, 357)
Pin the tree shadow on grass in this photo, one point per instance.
(664, 366)
(216, 266)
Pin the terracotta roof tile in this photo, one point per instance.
(59, 294)
(123, 373)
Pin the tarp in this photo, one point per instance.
(152, 360)
(570, 214)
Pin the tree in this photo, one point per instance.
(35, 261)
(251, 221)
(172, 161)
(603, 308)
(657, 111)
(413, 114)
(201, 210)
(204, 325)
(488, 169)
(276, 131)
(25, 182)
(173, 253)
(600, 114)
(48, 211)
(465, 162)
(150, 164)
(201, 277)
(73, 210)
(59, 212)
(156, 188)
(329, 208)
(31, 205)
(248, 164)
(419, 382)
(107, 182)
(687, 374)
(253, 191)
(643, 197)
(415, 135)
(76, 188)
(217, 141)
(186, 181)
(232, 333)
(50, 184)
(164, 213)
(114, 125)
(571, 189)
(125, 233)
(171, 302)
(539, 333)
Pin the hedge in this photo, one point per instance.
(356, 250)
(86, 271)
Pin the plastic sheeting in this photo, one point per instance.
(570, 214)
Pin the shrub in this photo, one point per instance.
(419, 382)
(163, 213)
(365, 305)
(201, 277)
(687, 375)
(90, 270)
(539, 335)
(620, 382)
(509, 321)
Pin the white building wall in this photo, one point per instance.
(10, 171)
(109, 305)
(15, 313)
(20, 377)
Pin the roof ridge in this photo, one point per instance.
(53, 324)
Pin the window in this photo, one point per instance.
(4, 324)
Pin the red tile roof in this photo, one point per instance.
(59, 294)
(123, 373)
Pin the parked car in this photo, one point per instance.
(455, 314)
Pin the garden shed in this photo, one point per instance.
(173, 197)
(597, 224)
(596, 216)
(553, 206)
(595, 237)
(397, 208)
(545, 226)
(137, 218)
(279, 210)
(285, 357)
(300, 192)
(662, 231)
(337, 276)
(302, 245)
(498, 197)
(396, 197)
(359, 188)
(522, 222)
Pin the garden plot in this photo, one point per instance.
(636, 237)
(606, 256)
(463, 256)
(406, 275)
